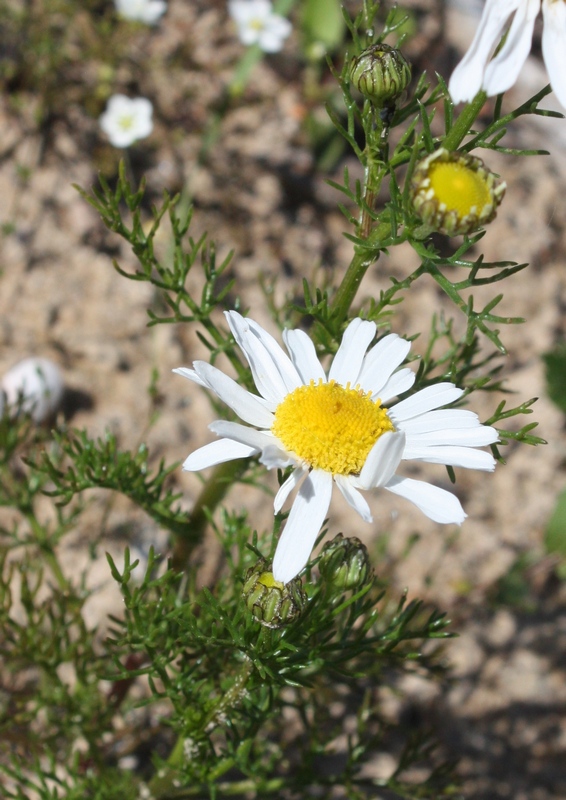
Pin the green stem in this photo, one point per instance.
(212, 493)
(163, 784)
(376, 124)
(462, 126)
(47, 551)
(246, 786)
(362, 260)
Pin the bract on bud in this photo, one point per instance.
(344, 562)
(381, 73)
(271, 602)
(455, 193)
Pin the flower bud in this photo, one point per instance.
(455, 193)
(344, 563)
(271, 602)
(33, 386)
(381, 73)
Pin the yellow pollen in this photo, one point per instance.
(331, 427)
(126, 122)
(460, 188)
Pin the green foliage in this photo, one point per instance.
(223, 705)
(228, 725)
(555, 363)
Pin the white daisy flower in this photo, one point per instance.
(476, 71)
(257, 24)
(147, 11)
(334, 429)
(127, 120)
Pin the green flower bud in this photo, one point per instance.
(344, 563)
(271, 602)
(381, 73)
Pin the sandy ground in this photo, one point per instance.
(260, 193)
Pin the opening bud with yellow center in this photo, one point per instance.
(455, 193)
(381, 74)
(271, 602)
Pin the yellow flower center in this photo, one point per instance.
(126, 122)
(331, 427)
(460, 188)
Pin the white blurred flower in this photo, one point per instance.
(333, 429)
(34, 386)
(126, 120)
(148, 11)
(257, 24)
(478, 70)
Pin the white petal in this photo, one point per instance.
(287, 487)
(191, 375)
(554, 46)
(466, 457)
(303, 355)
(381, 362)
(274, 456)
(353, 497)
(283, 363)
(466, 80)
(240, 433)
(217, 453)
(502, 72)
(302, 527)
(438, 504)
(440, 419)
(401, 381)
(478, 436)
(348, 360)
(440, 394)
(382, 461)
(246, 405)
(266, 375)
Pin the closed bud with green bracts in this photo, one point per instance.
(344, 563)
(381, 73)
(271, 602)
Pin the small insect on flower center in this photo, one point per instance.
(460, 188)
(331, 427)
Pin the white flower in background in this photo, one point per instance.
(35, 387)
(257, 24)
(126, 120)
(334, 429)
(148, 11)
(476, 71)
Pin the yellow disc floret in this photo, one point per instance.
(458, 187)
(331, 427)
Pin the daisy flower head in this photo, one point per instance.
(146, 11)
(258, 24)
(478, 70)
(337, 428)
(127, 120)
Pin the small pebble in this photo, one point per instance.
(34, 386)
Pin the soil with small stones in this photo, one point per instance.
(260, 191)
